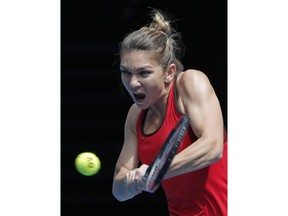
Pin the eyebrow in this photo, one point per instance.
(122, 67)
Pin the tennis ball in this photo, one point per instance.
(87, 163)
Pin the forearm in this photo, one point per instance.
(195, 157)
(124, 185)
(119, 190)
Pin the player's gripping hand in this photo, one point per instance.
(133, 180)
(132, 183)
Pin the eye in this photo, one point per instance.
(125, 72)
(144, 73)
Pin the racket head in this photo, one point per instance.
(160, 164)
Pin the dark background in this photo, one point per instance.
(93, 104)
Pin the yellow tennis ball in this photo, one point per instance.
(87, 163)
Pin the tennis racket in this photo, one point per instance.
(160, 164)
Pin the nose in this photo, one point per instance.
(134, 81)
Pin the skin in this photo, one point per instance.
(141, 73)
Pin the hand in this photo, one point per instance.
(133, 181)
(142, 181)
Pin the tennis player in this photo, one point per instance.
(152, 73)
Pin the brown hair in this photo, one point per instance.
(159, 37)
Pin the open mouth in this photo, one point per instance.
(139, 96)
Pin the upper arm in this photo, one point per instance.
(128, 158)
(201, 104)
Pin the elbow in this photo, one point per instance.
(215, 158)
(217, 152)
(219, 156)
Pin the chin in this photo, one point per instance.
(141, 105)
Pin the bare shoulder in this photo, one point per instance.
(133, 112)
(195, 93)
(191, 76)
(132, 116)
(193, 81)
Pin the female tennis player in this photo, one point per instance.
(152, 73)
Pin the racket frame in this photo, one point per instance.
(158, 167)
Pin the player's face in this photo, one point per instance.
(143, 77)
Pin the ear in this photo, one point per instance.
(170, 73)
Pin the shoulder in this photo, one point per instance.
(133, 112)
(132, 116)
(192, 76)
(193, 81)
(193, 90)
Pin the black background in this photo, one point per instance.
(93, 104)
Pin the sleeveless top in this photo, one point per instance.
(201, 192)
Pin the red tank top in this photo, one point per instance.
(202, 192)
